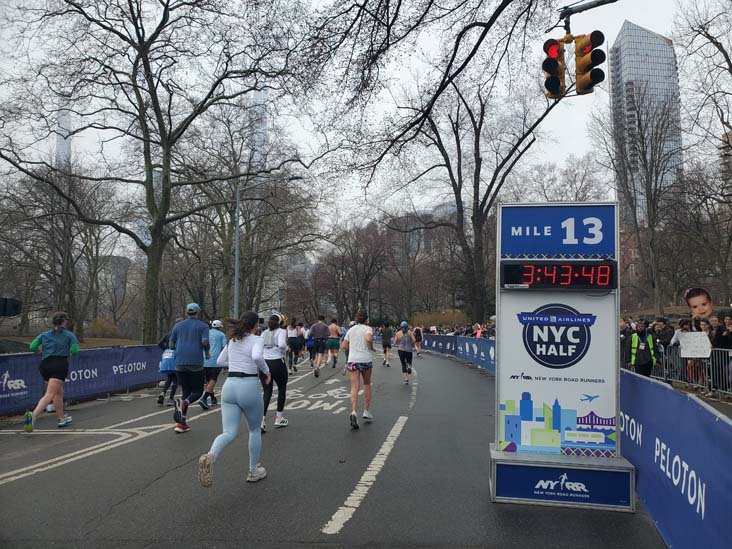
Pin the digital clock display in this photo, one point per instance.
(571, 275)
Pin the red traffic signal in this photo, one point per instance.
(554, 69)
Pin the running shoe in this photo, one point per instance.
(334, 363)
(64, 422)
(354, 420)
(311, 364)
(182, 428)
(205, 470)
(28, 421)
(367, 416)
(264, 425)
(161, 399)
(406, 382)
(345, 370)
(177, 413)
(317, 372)
(257, 474)
(281, 421)
(214, 402)
(203, 403)
(171, 402)
(294, 368)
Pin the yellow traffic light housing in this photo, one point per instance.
(554, 69)
(587, 58)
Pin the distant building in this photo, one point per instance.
(643, 67)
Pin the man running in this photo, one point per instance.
(189, 339)
(386, 334)
(359, 341)
(319, 333)
(334, 341)
(217, 340)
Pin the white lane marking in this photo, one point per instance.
(415, 383)
(65, 458)
(353, 502)
(125, 437)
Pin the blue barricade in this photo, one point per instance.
(91, 372)
(679, 446)
(481, 352)
(681, 449)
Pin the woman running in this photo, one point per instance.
(293, 345)
(56, 344)
(404, 342)
(359, 342)
(418, 340)
(275, 347)
(241, 394)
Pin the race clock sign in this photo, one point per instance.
(556, 344)
(557, 371)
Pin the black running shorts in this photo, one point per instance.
(212, 373)
(320, 346)
(55, 367)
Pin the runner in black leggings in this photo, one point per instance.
(275, 347)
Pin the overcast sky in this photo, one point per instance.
(570, 118)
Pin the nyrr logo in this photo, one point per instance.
(564, 485)
(12, 384)
(556, 336)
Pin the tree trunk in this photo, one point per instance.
(152, 289)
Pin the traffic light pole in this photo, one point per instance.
(567, 12)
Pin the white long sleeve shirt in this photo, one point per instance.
(275, 344)
(244, 355)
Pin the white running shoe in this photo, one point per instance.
(205, 470)
(367, 416)
(281, 421)
(258, 474)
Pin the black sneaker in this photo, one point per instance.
(161, 399)
(294, 368)
(354, 420)
(317, 372)
(334, 363)
(177, 414)
(203, 403)
(214, 402)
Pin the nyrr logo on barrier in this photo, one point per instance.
(11, 384)
(556, 336)
(563, 484)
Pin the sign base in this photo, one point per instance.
(563, 481)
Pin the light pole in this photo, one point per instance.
(236, 244)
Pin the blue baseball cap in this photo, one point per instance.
(193, 308)
(404, 324)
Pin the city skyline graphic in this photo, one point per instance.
(554, 429)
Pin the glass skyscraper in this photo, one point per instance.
(645, 102)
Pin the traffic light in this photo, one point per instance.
(554, 69)
(586, 59)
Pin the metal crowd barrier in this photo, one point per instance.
(710, 374)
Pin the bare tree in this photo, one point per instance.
(704, 32)
(130, 76)
(641, 146)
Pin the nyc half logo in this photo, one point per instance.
(556, 336)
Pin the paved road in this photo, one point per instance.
(416, 476)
